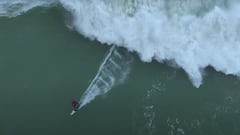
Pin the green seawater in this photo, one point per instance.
(43, 65)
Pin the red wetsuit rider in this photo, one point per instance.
(75, 104)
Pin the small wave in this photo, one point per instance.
(12, 8)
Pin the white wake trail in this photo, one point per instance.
(112, 71)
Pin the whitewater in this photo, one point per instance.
(192, 34)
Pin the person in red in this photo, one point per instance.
(75, 104)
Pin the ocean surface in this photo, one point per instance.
(137, 67)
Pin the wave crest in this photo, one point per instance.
(194, 40)
(192, 33)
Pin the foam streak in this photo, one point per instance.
(112, 71)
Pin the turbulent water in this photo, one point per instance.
(193, 34)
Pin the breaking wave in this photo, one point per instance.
(194, 34)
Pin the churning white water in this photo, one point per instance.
(194, 34)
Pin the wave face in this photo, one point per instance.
(194, 34)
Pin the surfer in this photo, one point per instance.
(75, 104)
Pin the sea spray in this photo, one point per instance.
(112, 71)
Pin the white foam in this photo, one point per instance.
(12, 8)
(195, 34)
